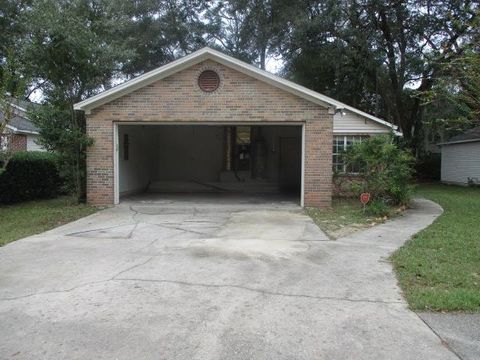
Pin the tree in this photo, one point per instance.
(12, 28)
(12, 83)
(385, 52)
(453, 103)
(72, 52)
(158, 31)
(250, 29)
(466, 71)
(12, 87)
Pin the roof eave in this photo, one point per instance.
(208, 53)
(18, 107)
(140, 81)
(458, 142)
(21, 131)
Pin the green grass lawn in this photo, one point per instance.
(439, 269)
(33, 217)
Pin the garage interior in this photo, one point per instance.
(240, 159)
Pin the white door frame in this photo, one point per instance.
(302, 171)
(116, 149)
(116, 170)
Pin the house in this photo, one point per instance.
(22, 133)
(209, 122)
(461, 158)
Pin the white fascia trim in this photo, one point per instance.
(458, 142)
(211, 123)
(17, 131)
(28, 132)
(208, 53)
(194, 58)
(140, 81)
(363, 132)
(13, 128)
(18, 107)
(368, 116)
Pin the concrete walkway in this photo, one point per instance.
(195, 279)
(460, 331)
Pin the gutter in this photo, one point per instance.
(458, 142)
(19, 131)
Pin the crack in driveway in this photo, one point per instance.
(337, 299)
(185, 283)
(260, 291)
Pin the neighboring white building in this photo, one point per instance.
(461, 158)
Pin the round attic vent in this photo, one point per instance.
(208, 81)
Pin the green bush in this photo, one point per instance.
(378, 207)
(29, 176)
(385, 171)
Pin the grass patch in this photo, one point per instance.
(345, 217)
(33, 217)
(439, 269)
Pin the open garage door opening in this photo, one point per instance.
(236, 160)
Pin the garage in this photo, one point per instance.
(209, 123)
(239, 159)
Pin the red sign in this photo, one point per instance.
(365, 198)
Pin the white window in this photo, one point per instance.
(340, 144)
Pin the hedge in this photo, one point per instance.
(29, 176)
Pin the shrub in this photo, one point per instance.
(378, 207)
(344, 185)
(29, 176)
(385, 171)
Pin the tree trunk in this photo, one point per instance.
(263, 57)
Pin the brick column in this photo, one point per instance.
(100, 169)
(318, 161)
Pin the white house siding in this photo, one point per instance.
(351, 123)
(460, 162)
(32, 143)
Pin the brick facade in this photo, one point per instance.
(18, 142)
(178, 99)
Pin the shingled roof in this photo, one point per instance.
(20, 122)
(468, 136)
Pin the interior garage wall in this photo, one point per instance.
(272, 135)
(134, 173)
(188, 153)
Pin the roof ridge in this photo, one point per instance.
(226, 60)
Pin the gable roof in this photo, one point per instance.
(20, 123)
(471, 135)
(209, 54)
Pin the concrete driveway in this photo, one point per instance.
(209, 279)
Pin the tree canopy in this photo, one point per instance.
(398, 59)
(381, 55)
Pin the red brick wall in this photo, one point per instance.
(178, 98)
(18, 142)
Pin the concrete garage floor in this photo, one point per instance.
(194, 278)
